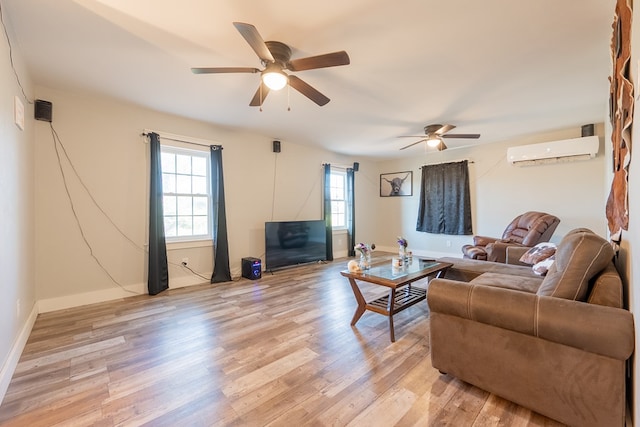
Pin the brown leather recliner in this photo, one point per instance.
(525, 230)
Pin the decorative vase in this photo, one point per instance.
(402, 252)
(365, 261)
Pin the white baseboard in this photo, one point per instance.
(76, 300)
(16, 351)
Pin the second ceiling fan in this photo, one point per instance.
(434, 135)
(276, 57)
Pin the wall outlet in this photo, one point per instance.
(185, 261)
(448, 243)
(18, 308)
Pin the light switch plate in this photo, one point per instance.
(18, 112)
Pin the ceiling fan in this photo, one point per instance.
(436, 133)
(276, 57)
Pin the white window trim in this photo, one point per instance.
(344, 172)
(174, 144)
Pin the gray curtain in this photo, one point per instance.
(221, 270)
(445, 203)
(351, 211)
(158, 272)
(327, 211)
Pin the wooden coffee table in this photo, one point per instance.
(401, 294)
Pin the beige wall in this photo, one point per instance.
(17, 263)
(573, 191)
(103, 139)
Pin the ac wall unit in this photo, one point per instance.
(555, 151)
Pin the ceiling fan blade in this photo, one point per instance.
(259, 96)
(444, 129)
(219, 70)
(253, 37)
(308, 91)
(320, 61)
(411, 136)
(411, 145)
(462, 135)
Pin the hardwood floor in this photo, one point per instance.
(279, 351)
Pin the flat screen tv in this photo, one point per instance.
(290, 243)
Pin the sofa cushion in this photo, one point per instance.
(538, 253)
(508, 281)
(580, 255)
(466, 270)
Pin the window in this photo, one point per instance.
(338, 203)
(187, 195)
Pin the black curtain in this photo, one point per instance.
(445, 203)
(327, 211)
(158, 274)
(351, 211)
(221, 270)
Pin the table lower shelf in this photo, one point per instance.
(404, 298)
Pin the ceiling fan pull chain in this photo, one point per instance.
(288, 96)
(261, 97)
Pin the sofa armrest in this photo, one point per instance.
(597, 329)
(483, 240)
(497, 251)
(514, 253)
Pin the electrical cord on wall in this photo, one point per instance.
(275, 174)
(202, 276)
(73, 168)
(6, 33)
(56, 140)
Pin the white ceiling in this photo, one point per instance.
(497, 67)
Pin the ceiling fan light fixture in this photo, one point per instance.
(274, 78)
(433, 141)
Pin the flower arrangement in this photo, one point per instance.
(365, 254)
(364, 249)
(402, 242)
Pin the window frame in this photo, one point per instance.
(343, 174)
(192, 152)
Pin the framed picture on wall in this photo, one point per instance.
(396, 184)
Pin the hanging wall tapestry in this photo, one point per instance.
(621, 115)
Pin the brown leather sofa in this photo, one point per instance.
(556, 344)
(527, 230)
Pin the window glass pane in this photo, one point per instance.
(200, 205)
(187, 193)
(185, 227)
(199, 185)
(183, 184)
(185, 205)
(168, 183)
(183, 164)
(168, 162)
(200, 225)
(169, 205)
(337, 193)
(338, 204)
(170, 226)
(199, 166)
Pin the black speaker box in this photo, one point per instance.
(588, 130)
(356, 166)
(276, 146)
(251, 268)
(43, 110)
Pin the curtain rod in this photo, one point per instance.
(444, 163)
(338, 165)
(181, 138)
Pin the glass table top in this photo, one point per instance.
(387, 271)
